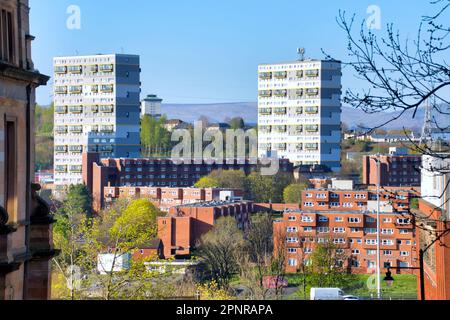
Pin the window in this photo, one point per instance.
(347, 205)
(307, 229)
(7, 36)
(292, 250)
(291, 229)
(323, 229)
(292, 262)
(339, 230)
(307, 250)
(308, 204)
(354, 220)
(10, 167)
(338, 219)
(387, 231)
(291, 240)
(323, 219)
(387, 242)
(292, 218)
(307, 219)
(370, 230)
(338, 240)
(387, 220)
(335, 204)
(403, 221)
(353, 230)
(371, 242)
(355, 251)
(404, 253)
(371, 252)
(370, 219)
(387, 252)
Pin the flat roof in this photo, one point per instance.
(299, 61)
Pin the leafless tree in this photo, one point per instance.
(402, 76)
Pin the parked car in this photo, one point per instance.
(350, 297)
(326, 294)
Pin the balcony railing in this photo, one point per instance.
(76, 129)
(312, 110)
(76, 109)
(61, 130)
(280, 93)
(298, 110)
(265, 93)
(107, 129)
(312, 73)
(280, 110)
(265, 111)
(75, 69)
(311, 146)
(106, 68)
(280, 75)
(61, 90)
(312, 92)
(76, 169)
(75, 89)
(60, 149)
(61, 69)
(312, 128)
(280, 129)
(61, 109)
(265, 75)
(76, 149)
(107, 109)
(265, 129)
(61, 169)
(296, 130)
(107, 88)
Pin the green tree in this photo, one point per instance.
(268, 188)
(230, 179)
(219, 250)
(293, 192)
(207, 182)
(119, 231)
(237, 123)
(327, 266)
(155, 138)
(44, 137)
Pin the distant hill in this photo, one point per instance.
(218, 112)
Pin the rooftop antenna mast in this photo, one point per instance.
(301, 53)
(426, 136)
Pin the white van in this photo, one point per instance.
(326, 294)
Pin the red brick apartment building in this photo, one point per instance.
(180, 230)
(165, 198)
(353, 232)
(437, 258)
(396, 200)
(397, 169)
(152, 172)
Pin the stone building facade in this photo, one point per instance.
(25, 224)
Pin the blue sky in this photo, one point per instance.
(201, 51)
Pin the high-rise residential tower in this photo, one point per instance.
(299, 112)
(97, 109)
(151, 106)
